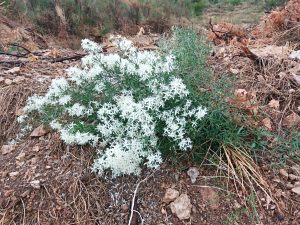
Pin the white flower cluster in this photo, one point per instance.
(126, 100)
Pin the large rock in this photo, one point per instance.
(182, 207)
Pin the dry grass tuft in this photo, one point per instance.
(238, 168)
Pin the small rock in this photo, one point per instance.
(182, 207)
(293, 177)
(25, 194)
(283, 173)
(292, 120)
(297, 184)
(4, 174)
(237, 205)
(295, 55)
(13, 70)
(19, 112)
(6, 149)
(296, 170)
(18, 79)
(1, 79)
(296, 190)
(35, 184)
(194, 209)
(8, 193)
(125, 207)
(193, 173)
(20, 164)
(48, 167)
(177, 176)
(36, 148)
(170, 195)
(21, 156)
(13, 174)
(39, 131)
(289, 186)
(34, 160)
(276, 180)
(274, 104)
(8, 81)
(234, 71)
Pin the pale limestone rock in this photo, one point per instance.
(170, 195)
(182, 207)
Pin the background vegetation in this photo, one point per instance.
(78, 16)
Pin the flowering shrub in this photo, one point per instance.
(130, 102)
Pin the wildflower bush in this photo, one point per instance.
(134, 103)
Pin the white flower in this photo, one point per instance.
(185, 144)
(55, 125)
(145, 71)
(21, 119)
(154, 160)
(57, 87)
(90, 46)
(35, 103)
(175, 88)
(121, 158)
(124, 44)
(76, 110)
(99, 87)
(64, 99)
(200, 113)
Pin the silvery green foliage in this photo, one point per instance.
(127, 100)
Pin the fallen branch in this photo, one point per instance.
(52, 60)
(19, 55)
(133, 218)
(13, 62)
(61, 59)
(22, 47)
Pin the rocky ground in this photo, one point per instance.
(43, 181)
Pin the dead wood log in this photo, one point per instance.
(52, 60)
(61, 59)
